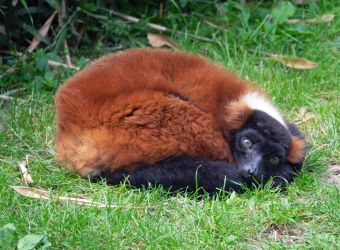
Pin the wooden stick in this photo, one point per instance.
(9, 70)
(5, 97)
(23, 166)
(13, 91)
(55, 64)
(157, 26)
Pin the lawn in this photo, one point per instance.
(306, 215)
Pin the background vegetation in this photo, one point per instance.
(44, 42)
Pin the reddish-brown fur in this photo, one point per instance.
(139, 128)
(122, 110)
(297, 150)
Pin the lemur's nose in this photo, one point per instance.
(248, 173)
(251, 172)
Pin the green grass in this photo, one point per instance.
(306, 216)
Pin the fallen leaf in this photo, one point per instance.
(158, 41)
(31, 192)
(23, 166)
(43, 32)
(43, 194)
(327, 18)
(296, 63)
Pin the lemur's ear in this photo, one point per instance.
(237, 114)
(297, 147)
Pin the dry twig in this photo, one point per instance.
(23, 166)
(9, 70)
(327, 18)
(10, 92)
(6, 98)
(157, 26)
(43, 194)
(55, 64)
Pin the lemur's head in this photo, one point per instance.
(264, 146)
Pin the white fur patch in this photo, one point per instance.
(91, 173)
(256, 101)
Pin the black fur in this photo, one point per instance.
(182, 172)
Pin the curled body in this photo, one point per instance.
(138, 107)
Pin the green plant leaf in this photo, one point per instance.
(60, 40)
(282, 12)
(49, 76)
(53, 3)
(49, 80)
(7, 236)
(42, 64)
(88, 6)
(23, 2)
(29, 241)
(183, 3)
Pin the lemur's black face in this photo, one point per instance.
(260, 150)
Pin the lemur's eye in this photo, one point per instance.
(274, 160)
(247, 143)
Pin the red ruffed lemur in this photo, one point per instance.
(172, 118)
